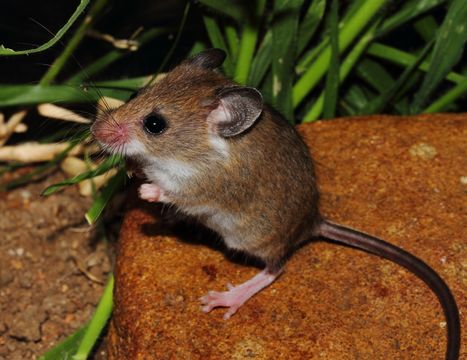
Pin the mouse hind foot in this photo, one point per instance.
(236, 296)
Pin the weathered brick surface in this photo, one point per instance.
(401, 178)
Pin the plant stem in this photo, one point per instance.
(62, 59)
(347, 34)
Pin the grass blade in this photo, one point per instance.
(405, 59)
(355, 99)
(347, 34)
(332, 78)
(447, 99)
(82, 5)
(113, 56)
(347, 65)
(261, 62)
(248, 43)
(310, 23)
(380, 103)
(174, 44)
(78, 35)
(107, 164)
(411, 10)
(97, 323)
(238, 10)
(232, 39)
(447, 51)
(100, 202)
(375, 75)
(284, 39)
(217, 40)
(18, 95)
(426, 27)
(66, 348)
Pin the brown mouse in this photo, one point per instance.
(217, 152)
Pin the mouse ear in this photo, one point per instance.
(208, 59)
(237, 110)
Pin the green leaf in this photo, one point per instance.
(66, 348)
(107, 164)
(355, 24)
(379, 104)
(405, 59)
(248, 39)
(232, 39)
(261, 61)
(447, 51)
(375, 75)
(332, 77)
(378, 78)
(100, 202)
(284, 48)
(217, 40)
(17, 95)
(347, 65)
(238, 10)
(174, 43)
(355, 99)
(426, 27)
(51, 42)
(409, 11)
(310, 23)
(97, 323)
(447, 99)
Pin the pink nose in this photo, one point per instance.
(110, 133)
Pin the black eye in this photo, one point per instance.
(154, 124)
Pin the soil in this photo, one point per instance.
(53, 267)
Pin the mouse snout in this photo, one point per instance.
(110, 132)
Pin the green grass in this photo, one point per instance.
(311, 59)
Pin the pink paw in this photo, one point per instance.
(236, 296)
(231, 299)
(151, 193)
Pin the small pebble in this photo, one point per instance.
(423, 150)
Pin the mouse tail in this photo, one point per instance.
(357, 239)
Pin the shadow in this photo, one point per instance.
(169, 221)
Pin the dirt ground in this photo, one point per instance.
(53, 267)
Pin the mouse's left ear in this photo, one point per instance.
(237, 110)
(208, 59)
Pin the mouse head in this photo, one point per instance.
(194, 112)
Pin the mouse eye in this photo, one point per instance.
(154, 124)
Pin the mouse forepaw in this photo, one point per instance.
(151, 193)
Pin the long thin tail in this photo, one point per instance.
(384, 249)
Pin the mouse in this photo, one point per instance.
(217, 152)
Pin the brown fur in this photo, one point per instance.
(264, 160)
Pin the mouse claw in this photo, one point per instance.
(230, 286)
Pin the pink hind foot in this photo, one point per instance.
(236, 296)
(151, 193)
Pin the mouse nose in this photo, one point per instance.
(110, 133)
